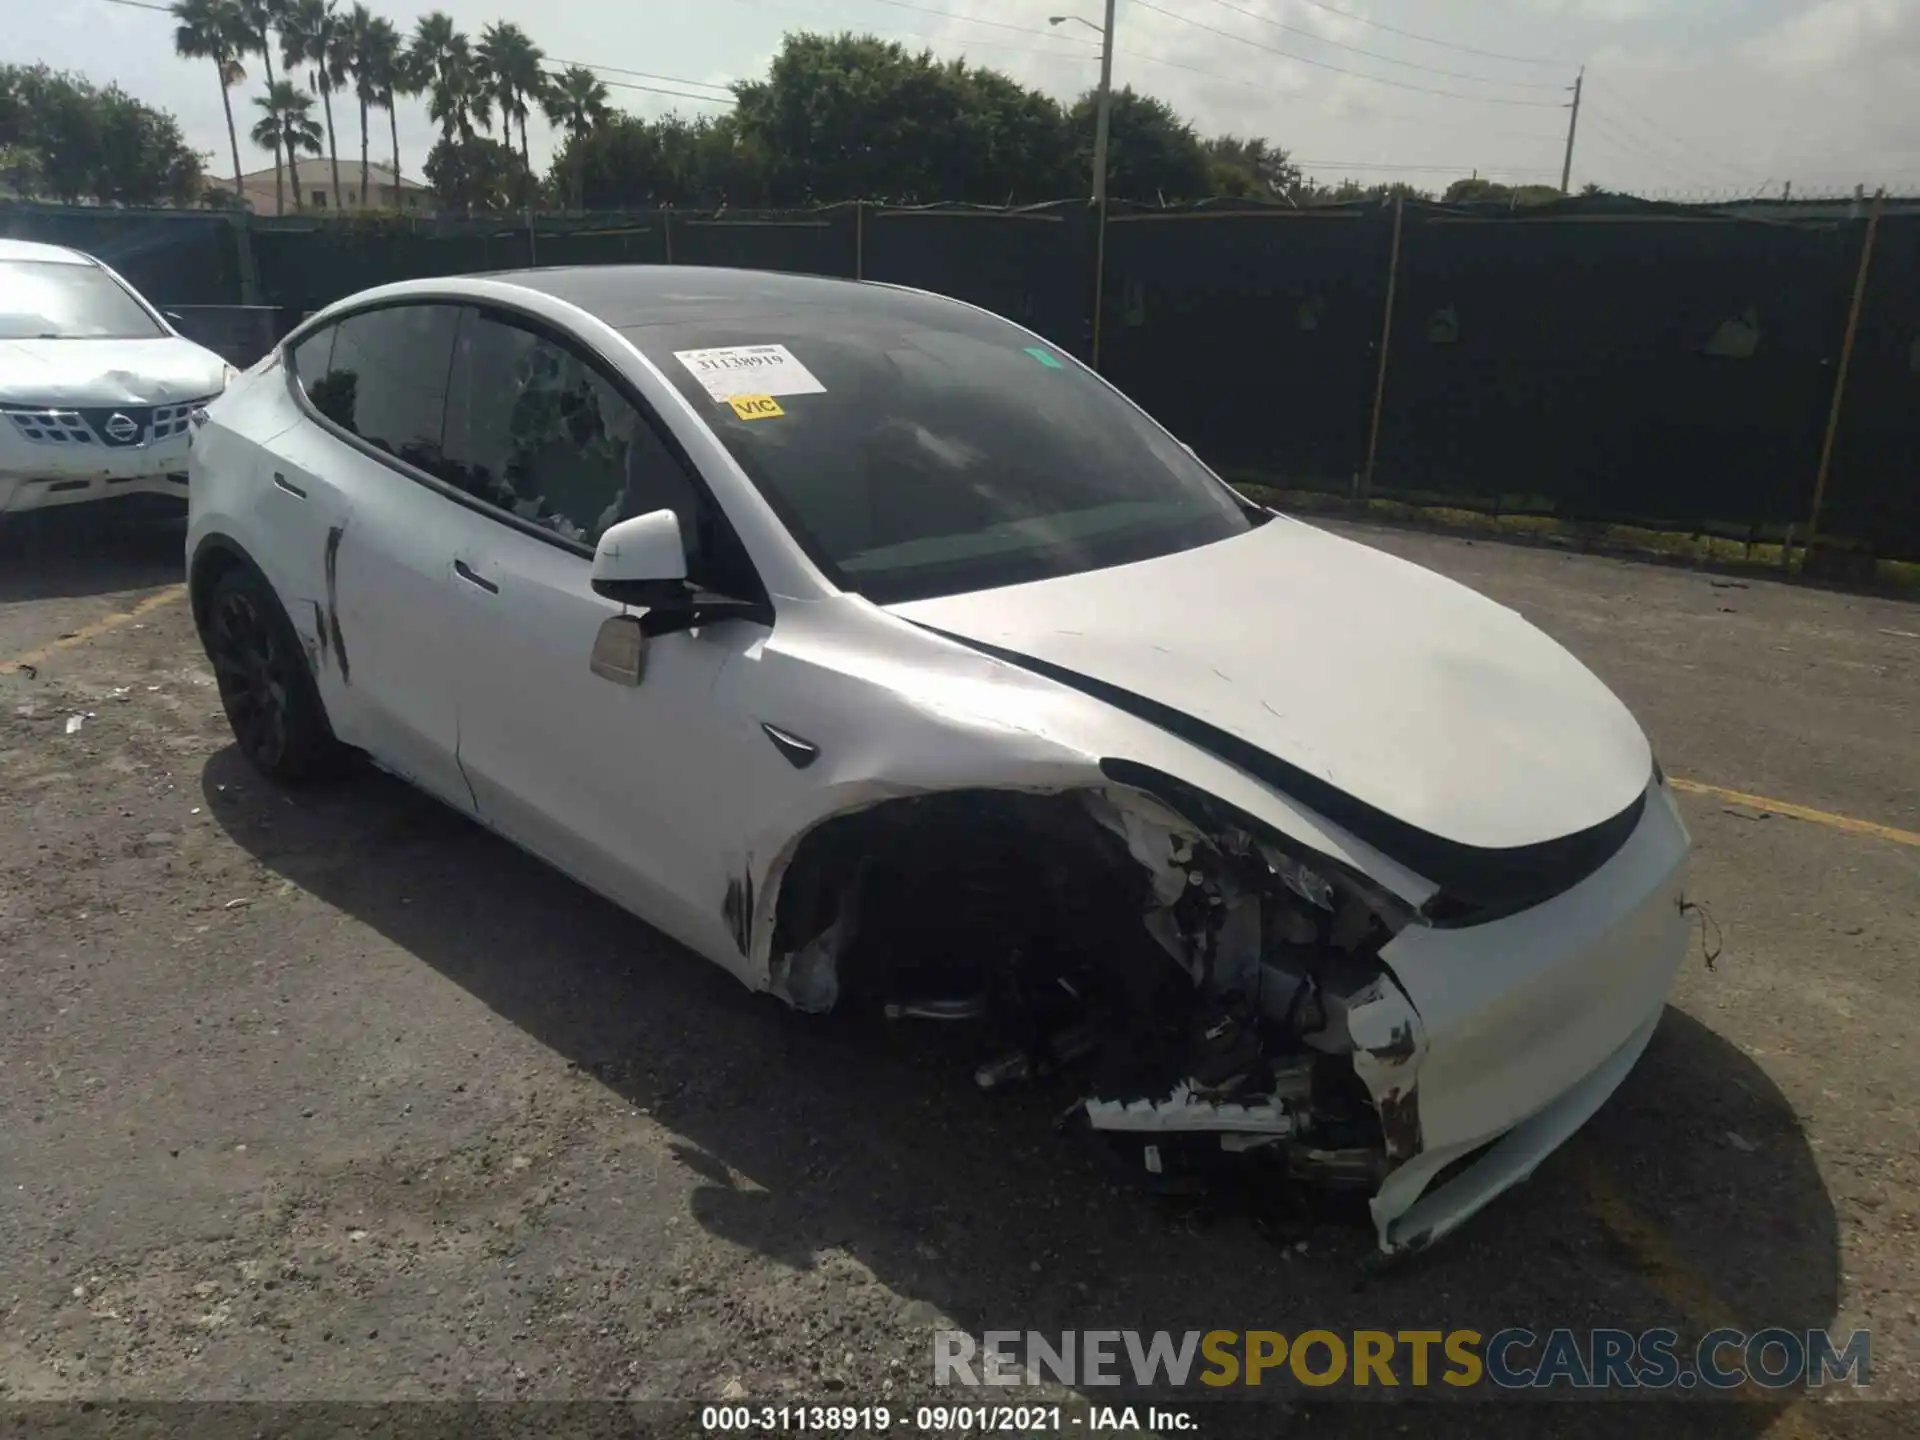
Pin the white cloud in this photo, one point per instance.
(1705, 93)
(1836, 33)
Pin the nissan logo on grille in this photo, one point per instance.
(120, 428)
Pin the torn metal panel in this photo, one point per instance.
(334, 535)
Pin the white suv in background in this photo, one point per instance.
(97, 390)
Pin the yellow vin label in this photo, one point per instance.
(755, 407)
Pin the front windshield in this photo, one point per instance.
(53, 300)
(916, 448)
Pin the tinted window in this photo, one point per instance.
(312, 358)
(385, 379)
(534, 428)
(919, 448)
(47, 300)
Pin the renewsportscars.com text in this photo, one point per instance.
(1509, 1359)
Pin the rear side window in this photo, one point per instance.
(385, 378)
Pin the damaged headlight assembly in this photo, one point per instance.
(1301, 1043)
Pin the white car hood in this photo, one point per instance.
(1403, 690)
(159, 371)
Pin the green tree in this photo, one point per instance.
(576, 102)
(476, 172)
(310, 35)
(356, 42)
(510, 66)
(215, 30)
(287, 127)
(444, 68)
(1478, 191)
(1152, 154)
(72, 141)
(628, 162)
(1349, 191)
(1252, 168)
(840, 117)
(259, 19)
(384, 74)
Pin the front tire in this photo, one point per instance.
(265, 686)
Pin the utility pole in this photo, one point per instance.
(1573, 124)
(1103, 127)
(1103, 123)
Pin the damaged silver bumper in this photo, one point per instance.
(1530, 1023)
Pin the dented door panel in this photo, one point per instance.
(633, 790)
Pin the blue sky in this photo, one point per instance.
(1686, 97)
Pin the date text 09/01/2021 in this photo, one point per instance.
(941, 1419)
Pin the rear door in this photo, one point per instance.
(366, 469)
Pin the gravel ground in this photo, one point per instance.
(336, 1097)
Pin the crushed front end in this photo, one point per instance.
(1226, 997)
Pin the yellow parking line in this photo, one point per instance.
(98, 628)
(1799, 812)
(1665, 1270)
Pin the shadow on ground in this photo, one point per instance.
(874, 1141)
(92, 549)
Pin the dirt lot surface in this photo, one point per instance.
(335, 1096)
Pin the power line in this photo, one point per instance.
(972, 19)
(1627, 148)
(1690, 148)
(1340, 69)
(1056, 53)
(1428, 39)
(658, 90)
(1461, 170)
(1376, 55)
(142, 5)
(1627, 142)
(642, 74)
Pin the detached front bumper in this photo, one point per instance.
(54, 457)
(1528, 1024)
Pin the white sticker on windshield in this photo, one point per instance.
(749, 370)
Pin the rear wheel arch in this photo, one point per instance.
(213, 557)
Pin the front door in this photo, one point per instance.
(630, 789)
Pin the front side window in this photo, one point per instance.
(536, 429)
(53, 300)
(385, 378)
(916, 448)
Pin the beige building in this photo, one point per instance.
(317, 194)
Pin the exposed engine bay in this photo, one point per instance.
(1222, 994)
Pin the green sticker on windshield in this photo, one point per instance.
(1044, 357)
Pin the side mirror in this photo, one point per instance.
(620, 650)
(642, 562)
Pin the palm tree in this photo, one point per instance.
(510, 66)
(258, 20)
(356, 30)
(213, 30)
(310, 35)
(376, 76)
(444, 67)
(287, 127)
(397, 78)
(576, 101)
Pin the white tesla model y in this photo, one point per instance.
(885, 655)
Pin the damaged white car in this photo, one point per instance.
(885, 655)
(96, 386)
